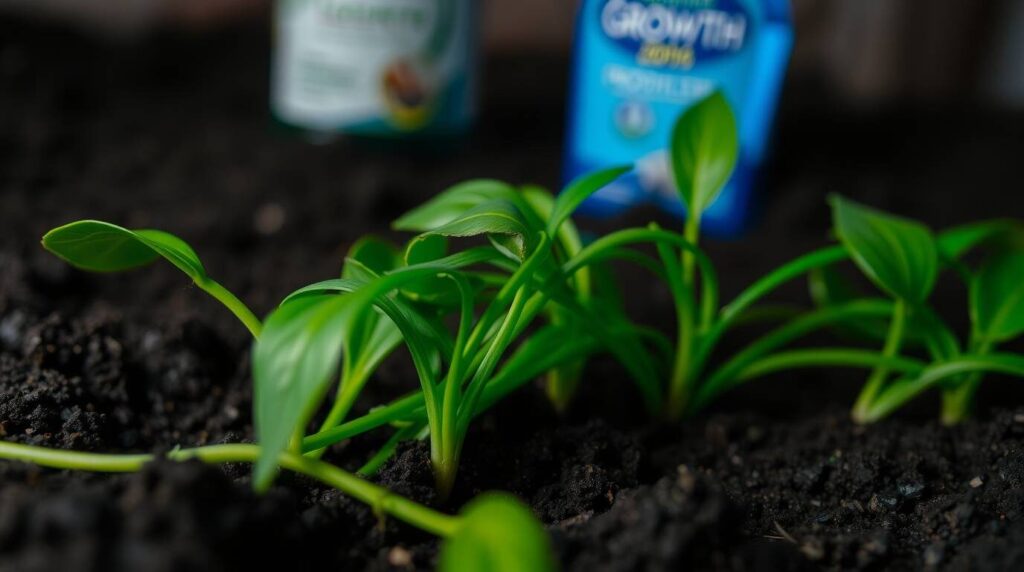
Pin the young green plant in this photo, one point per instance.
(494, 532)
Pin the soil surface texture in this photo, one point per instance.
(173, 133)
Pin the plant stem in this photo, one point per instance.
(958, 401)
(381, 499)
(880, 373)
(232, 303)
(725, 376)
(679, 276)
(902, 392)
(351, 385)
(735, 310)
(398, 410)
(828, 357)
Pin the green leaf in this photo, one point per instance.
(899, 255)
(497, 533)
(493, 218)
(103, 247)
(375, 254)
(294, 362)
(577, 192)
(997, 297)
(958, 241)
(452, 204)
(704, 148)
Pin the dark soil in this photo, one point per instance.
(173, 134)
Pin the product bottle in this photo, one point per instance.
(639, 63)
(387, 68)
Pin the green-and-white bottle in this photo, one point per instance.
(388, 68)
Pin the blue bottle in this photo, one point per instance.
(638, 64)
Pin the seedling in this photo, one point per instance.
(494, 532)
(476, 539)
(900, 256)
(903, 259)
(454, 369)
(496, 288)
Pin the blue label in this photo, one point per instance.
(638, 64)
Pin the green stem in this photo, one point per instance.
(348, 392)
(957, 402)
(736, 309)
(680, 281)
(901, 392)
(692, 235)
(725, 376)
(381, 499)
(232, 303)
(838, 357)
(398, 410)
(880, 373)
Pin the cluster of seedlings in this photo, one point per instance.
(496, 288)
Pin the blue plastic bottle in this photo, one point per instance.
(638, 64)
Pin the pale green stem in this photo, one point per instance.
(232, 303)
(382, 500)
(880, 373)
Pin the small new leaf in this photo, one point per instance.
(497, 533)
(704, 148)
(577, 192)
(899, 255)
(997, 297)
(103, 247)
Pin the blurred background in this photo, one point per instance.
(865, 50)
(155, 113)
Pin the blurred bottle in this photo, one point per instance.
(638, 64)
(380, 68)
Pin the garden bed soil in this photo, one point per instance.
(173, 134)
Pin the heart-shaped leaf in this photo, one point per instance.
(899, 255)
(997, 297)
(103, 247)
(497, 533)
(704, 149)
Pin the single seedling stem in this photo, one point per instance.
(878, 376)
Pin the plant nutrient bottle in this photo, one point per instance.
(638, 64)
(387, 68)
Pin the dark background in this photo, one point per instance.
(170, 128)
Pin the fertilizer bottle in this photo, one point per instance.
(638, 64)
(379, 68)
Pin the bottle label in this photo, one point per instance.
(374, 66)
(638, 64)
